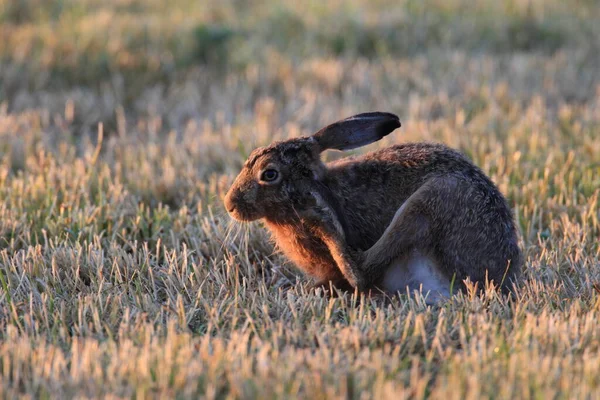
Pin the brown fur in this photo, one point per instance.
(330, 219)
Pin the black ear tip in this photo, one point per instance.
(389, 117)
(391, 123)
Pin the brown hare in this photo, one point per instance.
(415, 216)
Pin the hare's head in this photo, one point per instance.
(277, 181)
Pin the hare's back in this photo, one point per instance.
(406, 156)
(397, 171)
(432, 156)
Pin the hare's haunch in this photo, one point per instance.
(411, 216)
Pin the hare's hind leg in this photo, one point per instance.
(409, 230)
(408, 241)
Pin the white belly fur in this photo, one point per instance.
(416, 272)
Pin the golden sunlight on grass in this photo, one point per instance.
(121, 275)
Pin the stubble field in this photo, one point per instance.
(123, 122)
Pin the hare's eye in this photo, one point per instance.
(269, 175)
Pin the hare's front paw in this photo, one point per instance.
(310, 215)
(322, 222)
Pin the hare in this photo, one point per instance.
(415, 216)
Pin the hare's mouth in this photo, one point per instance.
(241, 215)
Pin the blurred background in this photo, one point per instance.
(193, 60)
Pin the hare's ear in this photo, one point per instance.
(356, 131)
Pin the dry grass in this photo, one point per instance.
(121, 275)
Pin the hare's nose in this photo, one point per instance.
(229, 203)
